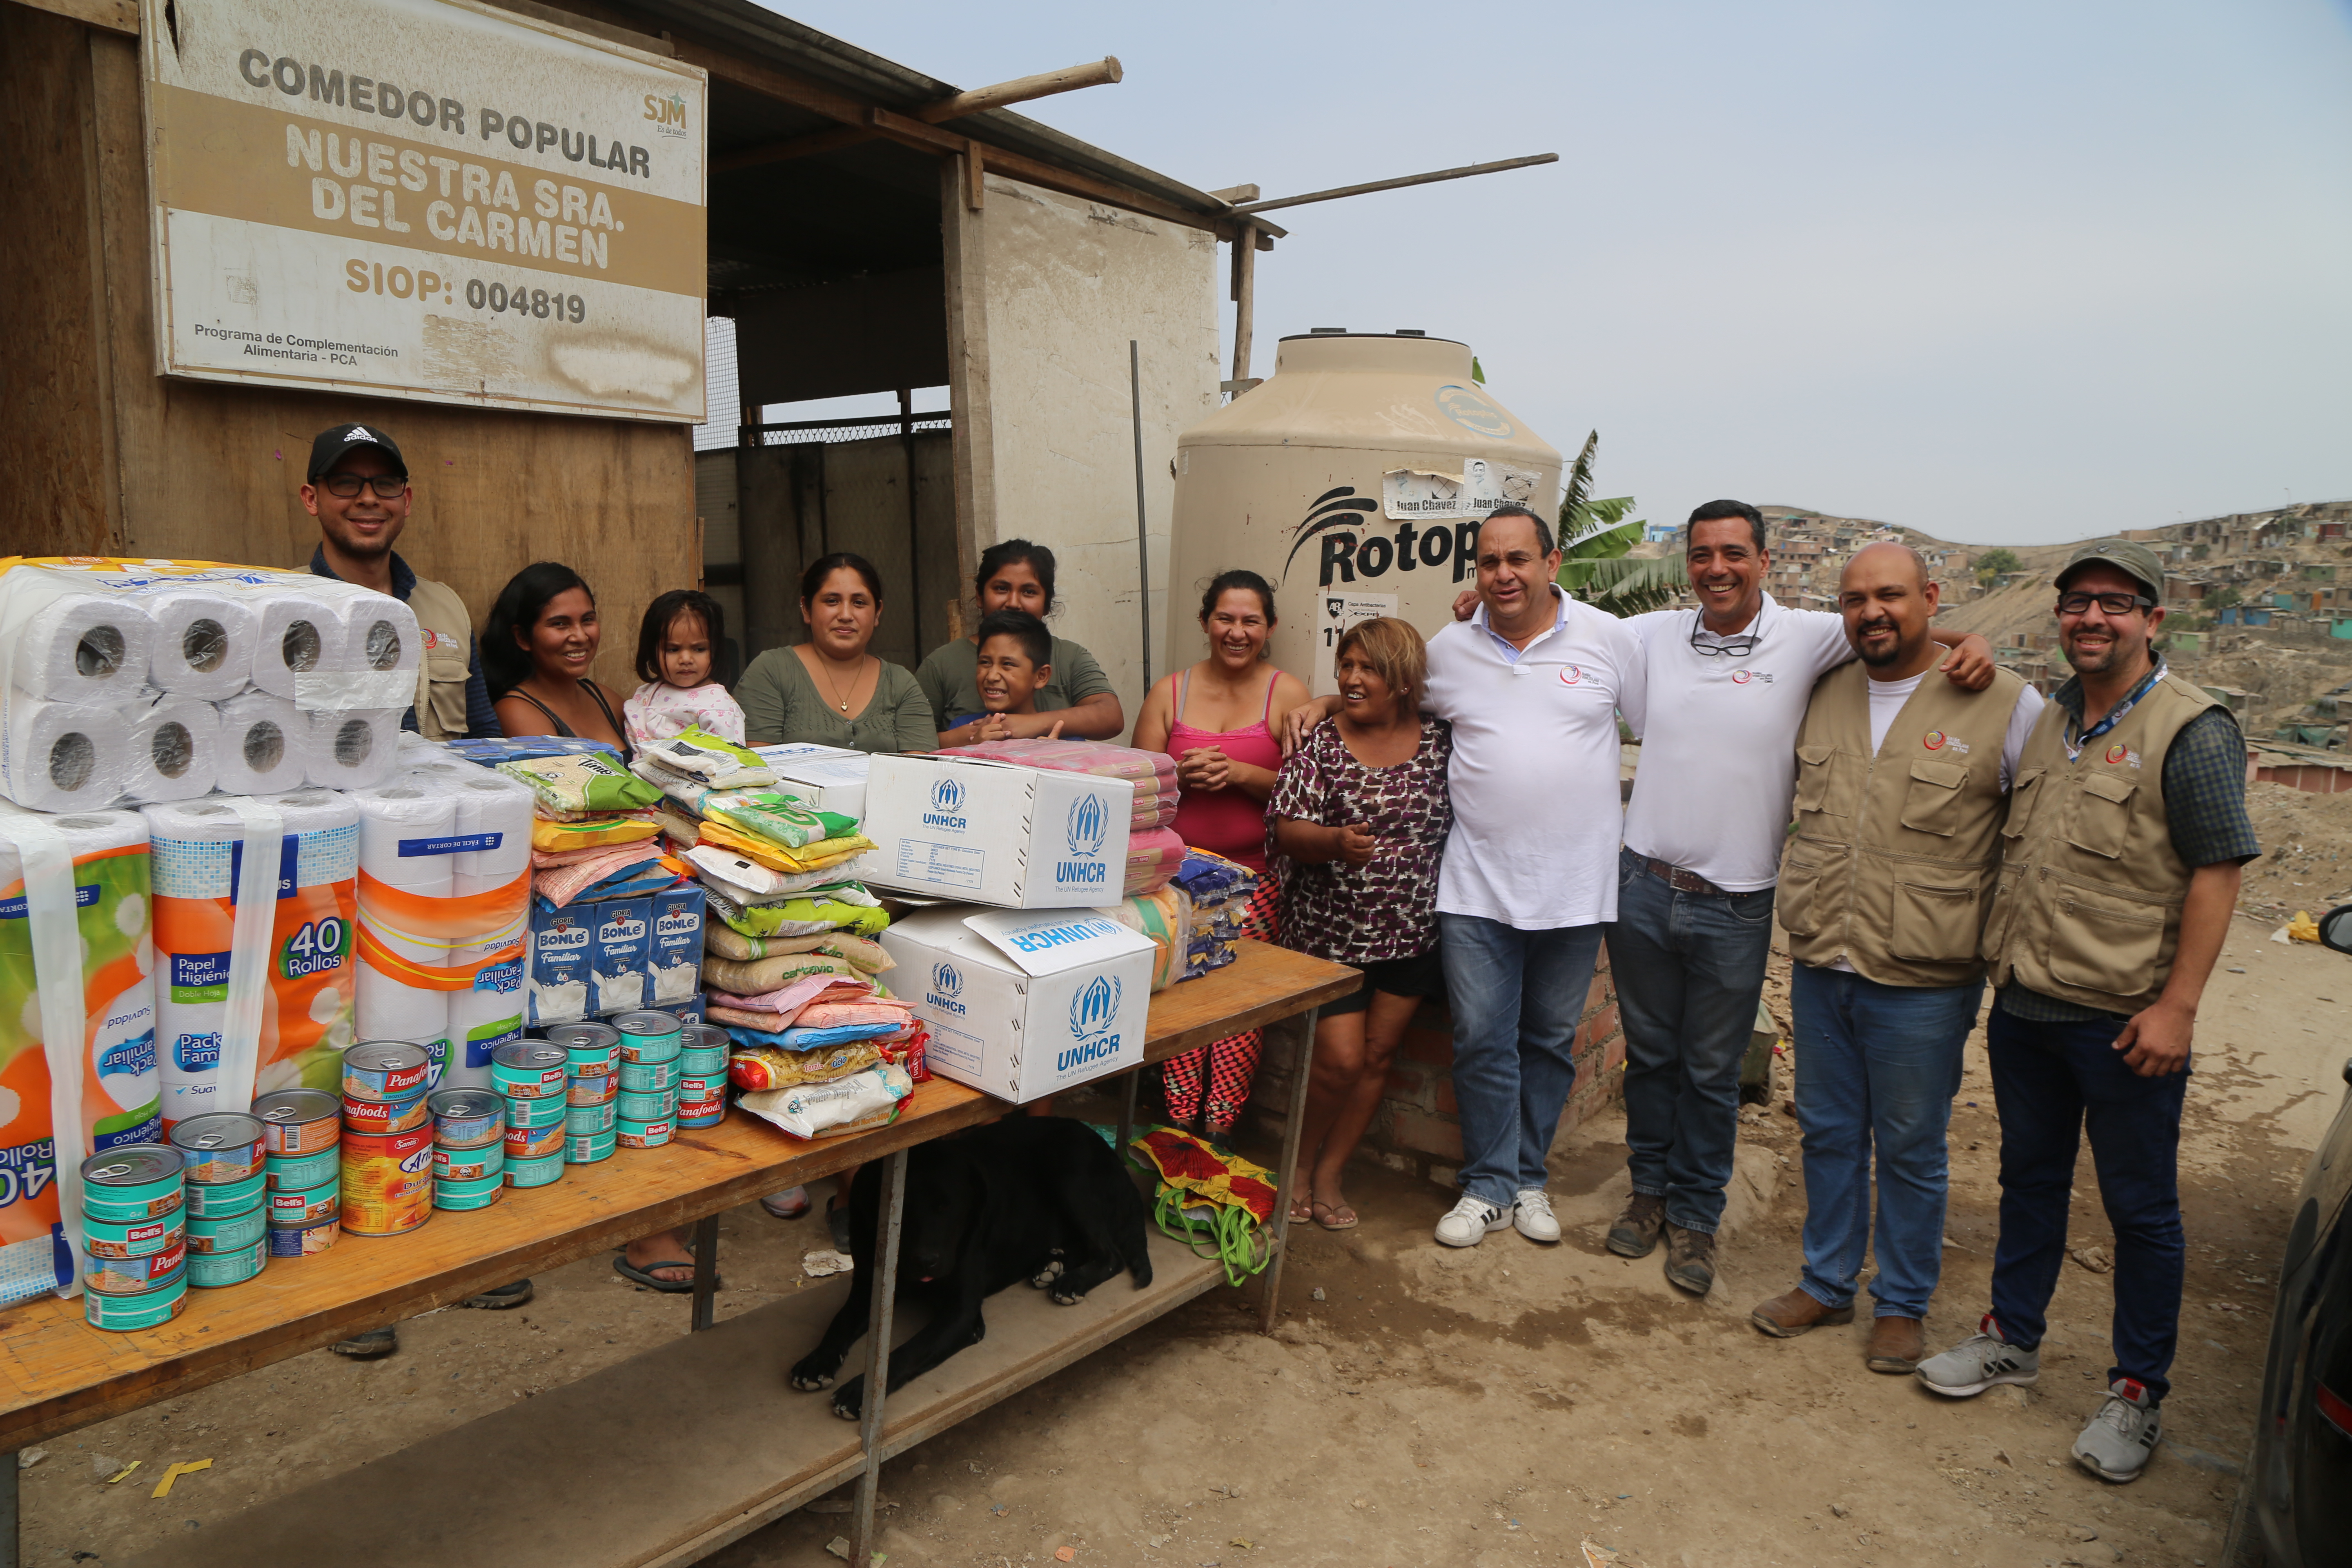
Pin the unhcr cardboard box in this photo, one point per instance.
(1022, 1006)
(827, 784)
(986, 831)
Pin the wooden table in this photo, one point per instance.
(57, 1373)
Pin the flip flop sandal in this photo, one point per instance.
(1302, 1210)
(1342, 1217)
(789, 1204)
(651, 1281)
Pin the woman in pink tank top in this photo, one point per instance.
(1214, 718)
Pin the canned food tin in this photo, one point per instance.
(220, 1148)
(385, 1070)
(214, 1200)
(534, 1143)
(133, 1276)
(531, 1070)
(709, 1113)
(704, 1038)
(461, 1166)
(300, 1172)
(467, 1118)
(696, 1088)
(144, 1312)
(131, 1182)
(303, 1240)
(643, 1134)
(216, 1270)
(139, 1238)
(476, 1194)
(544, 1170)
(590, 1039)
(387, 1182)
(579, 1118)
(597, 1091)
(587, 1148)
(546, 1112)
(648, 1037)
(308, 1206)
(693, 1063)
(299, 1120)
(225, 1233)
(648, 1107)
(648, 1078)
(404, 1115)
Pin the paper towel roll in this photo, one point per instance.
(298, 634)
(265, 745)
(203, 643)
(61, 756)
(308, 883)
(83, 647)
(405, 834)
(85, 987)
(353, 749)
(173, 749)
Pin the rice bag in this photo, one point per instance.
(597, 831)
(781, 819)
(764, 974)
(585, 783)
(1166, 917)
(868, 957)
(716, 760)
(853, 1104)
(1153, 857)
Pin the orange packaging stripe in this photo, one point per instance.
(447, 922)
(428, 977)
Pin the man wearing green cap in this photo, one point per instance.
(2126, 832)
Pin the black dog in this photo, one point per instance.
(1037, 1198)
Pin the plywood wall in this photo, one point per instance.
(1053, 286)
(105, 455)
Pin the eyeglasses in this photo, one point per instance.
(387, 487)
(2109, 604)
(1739, 646)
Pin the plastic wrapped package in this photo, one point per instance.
(172, 749)
(78, 1068)
(1166, 917)
(1153, 774)
(853, 1104)
(1152, 856)
(1219, 891)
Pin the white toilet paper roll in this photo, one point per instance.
(494, 817)
(173, 749)
(353, 749)
(298, 634)
(406, 843)
(265, 745)
(61, 756)
(204, 643)
(83, 647)
(372, 663)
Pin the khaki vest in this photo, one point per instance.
(1893, 861)
(2088, 908)
(441, 673)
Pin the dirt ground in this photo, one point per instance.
(1492, 1407)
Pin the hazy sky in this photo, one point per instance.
(2003, 271)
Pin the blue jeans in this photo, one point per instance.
(1517, 997)
(1877, 1066)
(2049, 1081)
(1689, 969)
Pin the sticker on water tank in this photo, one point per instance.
(1334, 614)
(1468, 409)
(1481, 487)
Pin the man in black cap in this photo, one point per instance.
(357, 489)
(2125, 835)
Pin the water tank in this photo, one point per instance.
(1353, 479)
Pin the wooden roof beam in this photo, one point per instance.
(1094, 73)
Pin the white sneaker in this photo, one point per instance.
(1467, 1222)
(1533, 1217)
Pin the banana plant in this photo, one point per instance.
(1594, 539)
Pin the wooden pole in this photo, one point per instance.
(1245, 299)
(889, 1223)
(1094, 73)
(1142, 541)
(1463, 173)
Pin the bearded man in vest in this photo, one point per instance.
(1902, 780)
(357, 488)
(2126, 831)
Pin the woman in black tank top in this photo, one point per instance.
(542, 637)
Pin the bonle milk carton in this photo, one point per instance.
(1021, 1006)
(558, 953)
(674, 969)
(988, 832)
(620, 952)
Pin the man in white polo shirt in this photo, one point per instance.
(1532, 683)
(1727, 684)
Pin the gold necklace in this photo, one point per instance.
(829, 681)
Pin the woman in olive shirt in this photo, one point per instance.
(829, 691)
(1016, 575)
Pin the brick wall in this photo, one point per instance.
(1418, 1128)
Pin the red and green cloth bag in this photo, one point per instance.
(1212, 1200)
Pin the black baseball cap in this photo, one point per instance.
(328, 450)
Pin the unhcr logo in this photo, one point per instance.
(945, 984)
(1094, 1023)
(947, 804)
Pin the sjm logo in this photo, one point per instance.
(667, 114)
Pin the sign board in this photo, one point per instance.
(1335, 611)
(425, 199)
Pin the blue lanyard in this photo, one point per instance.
(2113, 717)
